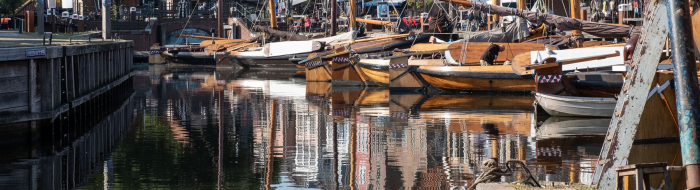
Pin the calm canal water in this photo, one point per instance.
(207, 129)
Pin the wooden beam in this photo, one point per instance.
(570, 61)
(202, 37)
(417, 53)
(429, 47)
(460, 2)
(370, 39)
(376, 22)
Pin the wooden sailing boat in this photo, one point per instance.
(204, 52)
(347, 71)
(471, 77)
(500, 77)
(378, 68)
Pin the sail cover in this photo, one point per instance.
(562, 23)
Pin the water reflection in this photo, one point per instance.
(205, 129)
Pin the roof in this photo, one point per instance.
(27, 6)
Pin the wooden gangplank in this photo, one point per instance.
(633, 97)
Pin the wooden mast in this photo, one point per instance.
(495, 16)
(273, 15)
(334, 17)
(576, 13)
(351, 13)
(521, 4)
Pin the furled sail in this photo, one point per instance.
(283, 35)
(512, 32)
(562, 23)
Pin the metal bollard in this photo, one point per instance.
(50, 38)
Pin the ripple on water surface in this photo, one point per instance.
(205, 129)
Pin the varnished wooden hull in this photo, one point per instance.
(376, 70)
(405, 78)
(318, 73)
(477, 78)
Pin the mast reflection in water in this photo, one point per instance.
(207, 129)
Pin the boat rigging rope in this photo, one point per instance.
(565, 12)
(186, 23)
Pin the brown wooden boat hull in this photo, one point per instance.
(376, 75)
(344, 73)
(478, 78)
(375, 70)
(320, 72)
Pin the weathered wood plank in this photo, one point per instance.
(33, 88)
(85, 87)
(20, 53)
(92, 48)
(14, 99)
(70, 80)
(55, 84)
(92, 72)
(43, 86)
(14, 84)
(623, 126)
(14, 68)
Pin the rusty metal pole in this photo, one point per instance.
(334, 17)
(687, 94)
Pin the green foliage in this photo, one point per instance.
(429, 2)
(113, 9)
(7, 7)
(419, 4)
(410, 3)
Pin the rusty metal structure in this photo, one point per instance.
(686, 82)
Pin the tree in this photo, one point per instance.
(7, 7)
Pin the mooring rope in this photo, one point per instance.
(186, 23)
(495, 172)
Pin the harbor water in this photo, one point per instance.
(203, 128)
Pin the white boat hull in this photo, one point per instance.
(576, 106)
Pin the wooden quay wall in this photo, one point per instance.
(43, 82)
